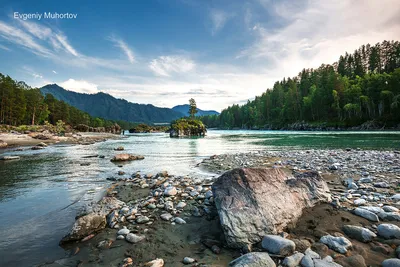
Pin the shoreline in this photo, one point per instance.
(16, 140)
(174, 241)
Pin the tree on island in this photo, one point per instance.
(193, 108)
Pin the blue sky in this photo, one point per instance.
(165, 52)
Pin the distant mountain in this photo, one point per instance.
(184, 109)
(108, 107)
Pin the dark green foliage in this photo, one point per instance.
(144, 128)
(189, 127)
(360, 87)
(192, 108)
(21, 104)
(105, 106)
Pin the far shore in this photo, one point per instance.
(20, 139)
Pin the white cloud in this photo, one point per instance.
(4, 47)
(168, 65)
(62, 39)
(320, 32)
(80, 86)
(17, 36)
(218, 19)
(124, 47)
(55, 72)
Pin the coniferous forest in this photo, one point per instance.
(359, 88)
(22, 105)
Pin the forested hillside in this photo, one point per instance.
(184, 109)
(108, 107)
(361, 87)
(22, 105)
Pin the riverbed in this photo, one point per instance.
(41, 193)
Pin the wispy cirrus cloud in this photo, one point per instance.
(124, 47)
(218, 20)
(4, 47)
(168, 65)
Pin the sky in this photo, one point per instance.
(163, 52)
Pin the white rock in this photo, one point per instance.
(179, 220)
(188, 260)
(359, 202)
(123, 232)
(338, 244)
(132, 238)
(293, 260)
(166, 216)
(170, 191)
(366, 214)
(181, 205)
(388, 231)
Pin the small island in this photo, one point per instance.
(188, 127)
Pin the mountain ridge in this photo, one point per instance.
(184, 109)
(106, 106)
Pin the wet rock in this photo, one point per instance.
(123, 231)
(255, 202)
(155, 263)
(169, 205)
(359, 233)
(85, 226)
(188, 260)
(278, 245)
(253, 259)
(181, 205)
(366, 214)
(196, 212)
(170, 191)
(104, 244)
(382, 185)
(179, 220)
(126, 157)
(133, 238)
(37, 147)
(338, 244)
(120, 148)
(388, 231)
(142, 219)
(127, 262)
(391, 263)
(166, 216)
(293, 260)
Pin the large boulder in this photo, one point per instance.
(94, 219)
(253, 259)
(85, 226)
(254, 202)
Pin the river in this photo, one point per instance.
(41, 193)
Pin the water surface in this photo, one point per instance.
(41, 193)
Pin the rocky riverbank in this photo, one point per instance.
(16, 139)
(167, 220)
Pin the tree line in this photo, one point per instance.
(22, 105)
(359, 87)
